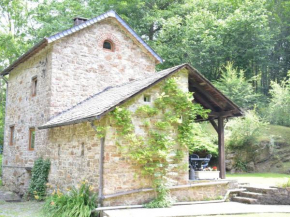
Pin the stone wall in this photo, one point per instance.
(277, 196)
(74, 152)
(120, 174)
(187, 194)
(23, 112)
(81, 67)
(68, 71)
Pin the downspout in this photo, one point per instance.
(101, 168)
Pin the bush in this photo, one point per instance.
(203, 143)
(279, 106)
(37, 187)
(76, 202)
(242, 135)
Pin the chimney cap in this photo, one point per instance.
(79, 20)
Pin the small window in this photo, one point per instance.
(31, 139)
(147, 98)
(108, 45)
(34, 86)
(11, 140)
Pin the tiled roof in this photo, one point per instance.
(99, 104)
(74, 29)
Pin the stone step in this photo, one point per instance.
(245, 200)
(250, 194)
(258, 189)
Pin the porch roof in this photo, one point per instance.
(101, 103)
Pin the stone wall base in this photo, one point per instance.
(16, 179)
(186, 194)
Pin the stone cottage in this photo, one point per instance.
(65, 86)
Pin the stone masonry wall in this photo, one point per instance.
(74, 152)
(68, 71)
(81, 67)
(198, 193)
(23, 112)
(120, 174)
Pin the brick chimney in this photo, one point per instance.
(79, 20)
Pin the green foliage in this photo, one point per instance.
(76, 202)
(162, 200)
(146, 111)
(235, 86)
(154, 152)
(243, 135)
(240, 165)
(284, 184)
(0, 165)
(40, 171)
(279, 106)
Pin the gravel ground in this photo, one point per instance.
(23, 209)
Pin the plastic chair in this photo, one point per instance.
(193, 163)
(205, 163)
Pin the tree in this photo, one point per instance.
(235, 86)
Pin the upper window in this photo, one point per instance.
(11, 140)
(108, 45)
(34, 86)
(147, 98)
(31, 139)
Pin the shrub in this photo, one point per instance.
(78, 201)
(37, 187)
(279, 106)
(242, 135)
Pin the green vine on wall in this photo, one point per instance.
(39, 179)
(162, 149)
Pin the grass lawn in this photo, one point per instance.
(263, 179)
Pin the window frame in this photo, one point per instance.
(11, 135)
(31, 131)
(147, 98)
(111, 43)
(34, 82)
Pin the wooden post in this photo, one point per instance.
(221, 145)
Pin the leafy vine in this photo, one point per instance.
(162, 149)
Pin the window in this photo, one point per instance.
(108, 45)
(147, 98)
(11, 140)
(34, 86)
(31, 139)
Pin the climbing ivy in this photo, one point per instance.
(40, 171)
(162, 145)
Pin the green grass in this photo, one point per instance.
(260, 175)
(279, 133)
(261, 179)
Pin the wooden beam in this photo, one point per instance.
(222, 113)
(213, 123)
(221, 146)
(195, 87)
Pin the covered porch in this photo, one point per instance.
(221, 108)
